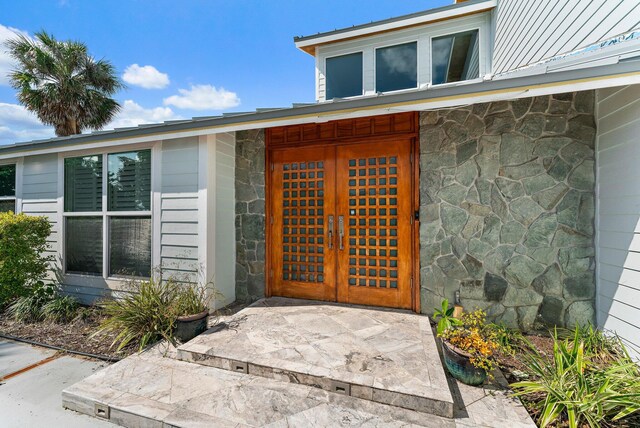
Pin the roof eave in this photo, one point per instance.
(308, 44)
(519, 87)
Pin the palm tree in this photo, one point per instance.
(62, 84)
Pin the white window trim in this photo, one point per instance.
(112, 282)
(481, 54)
(375, 66)
(17, 196)
(324, 71)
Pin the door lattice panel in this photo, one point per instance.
(303, 221)
(372, 228)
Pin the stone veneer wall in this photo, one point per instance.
(250, 215)
(507, 208)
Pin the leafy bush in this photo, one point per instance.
(474, 337)
(579, 387)
(61, 309)
(445, 317)
(23, 265)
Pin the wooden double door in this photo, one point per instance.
(341, 223)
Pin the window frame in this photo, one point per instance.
(422, 34)
(389, 45)
(362, 89)
(18, 184)
(452, 32)
(83, 279)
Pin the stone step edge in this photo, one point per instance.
(392, 398)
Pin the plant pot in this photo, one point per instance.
(188, 327)
(458, 364)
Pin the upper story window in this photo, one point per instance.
(7, 188)
(108, 214)
(455, 57)
(344, 76)
(397, 67)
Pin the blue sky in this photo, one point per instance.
(189, 58)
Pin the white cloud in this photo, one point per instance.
(6, 62)
(133, 114)
(146, 76)
(203, 97)
(17, 124)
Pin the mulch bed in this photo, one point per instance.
(75, 336)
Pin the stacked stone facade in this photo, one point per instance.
(250, 215)
(507, 209)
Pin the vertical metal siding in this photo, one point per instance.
(527, 32)
(618, 213)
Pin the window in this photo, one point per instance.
(397, 67)
(344, 76)
(455, 57)
(108, 214)
(7, 188)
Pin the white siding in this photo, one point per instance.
(39, 197)
(179, 208)
(618, 212)
(225, 203)
(530, 31)
(421, 34)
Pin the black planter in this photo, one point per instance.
(460, 367)
(190, 326)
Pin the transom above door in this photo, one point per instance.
(341, 222)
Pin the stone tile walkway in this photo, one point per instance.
(154, 389)
(381, 355)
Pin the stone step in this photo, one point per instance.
(380, 355)
(150, 390)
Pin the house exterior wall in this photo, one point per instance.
(507, 208)
(40, 198)
(179, 209)
(618, 213)
(250, 214)
(192, 214)
(530, 31)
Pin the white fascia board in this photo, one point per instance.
(418, 20)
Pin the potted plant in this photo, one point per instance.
(468, 347)
(191, 311)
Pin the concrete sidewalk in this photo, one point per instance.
(32, 398)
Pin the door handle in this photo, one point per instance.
(330, 232)
(341, 231)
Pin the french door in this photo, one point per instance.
(341, 220)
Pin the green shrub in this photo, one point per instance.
(577, 387)
(26, 309)
(141, 315)
(147, 311)
(60, 309)
(509, 340)
(23, 265)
